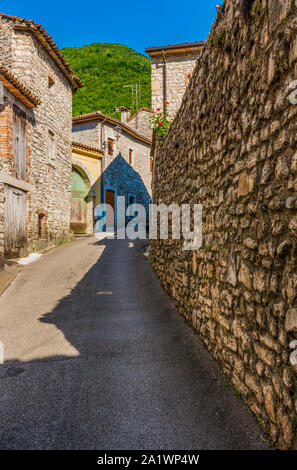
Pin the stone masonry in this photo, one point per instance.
(233, 149)
(140, 121)
(179, 62)
(28, 52)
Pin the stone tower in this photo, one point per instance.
(172, 68)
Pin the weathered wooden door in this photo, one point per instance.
(110, 209)
(78, 203)
(15, 239)
(19, 144)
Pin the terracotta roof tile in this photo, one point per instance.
(18, 89)
(184, 45)
(86, 147)
(99, 115)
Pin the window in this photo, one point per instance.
(188, 78)
(151, 164)
(131, 205)
(51, 82)
(51, 147)
(110, 143)
(131, 157)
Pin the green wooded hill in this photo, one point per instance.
(105, 69)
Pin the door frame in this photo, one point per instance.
(114, 189)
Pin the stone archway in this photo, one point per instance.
(81, 201)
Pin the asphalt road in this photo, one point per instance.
(97, 357)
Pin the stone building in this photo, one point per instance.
(32, 58)
(86, 186)
(172, 68)
(140, 121)
(232, 148)
(126, 166)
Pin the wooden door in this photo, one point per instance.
(15, 238)
(110, 209)
(19, 144)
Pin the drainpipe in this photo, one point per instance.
(102, 137)
(164, 82)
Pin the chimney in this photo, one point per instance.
(125, 113)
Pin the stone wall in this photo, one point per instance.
(179, 69)
(233, 148)
(33, 66)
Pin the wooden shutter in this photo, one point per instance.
(131, 156)
(19, 145)
(110, 146)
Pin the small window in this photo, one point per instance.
(131, 157)
(188, 78)
(110, 146)
(131, 205)
(51, 82)
(51, 147)
(151, 164)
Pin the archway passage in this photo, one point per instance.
(80, 187)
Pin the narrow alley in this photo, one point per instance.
(96, 356)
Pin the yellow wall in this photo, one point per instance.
(93, 164)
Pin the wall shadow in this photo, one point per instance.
(124, 180)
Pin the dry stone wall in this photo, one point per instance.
(233, 149)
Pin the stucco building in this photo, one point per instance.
(172, 68)
(126, 164)
(39, 136)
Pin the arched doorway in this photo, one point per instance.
(80, 189)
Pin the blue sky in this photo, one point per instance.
(137, 24)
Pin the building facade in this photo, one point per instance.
(172, 68)
(32, 58)
(126, 165)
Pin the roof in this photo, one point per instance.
(139, 111)
(20, 91)
(109, 119)
(175, 47)
(49, 45)
(86, 147)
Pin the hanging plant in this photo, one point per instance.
(161, 123)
